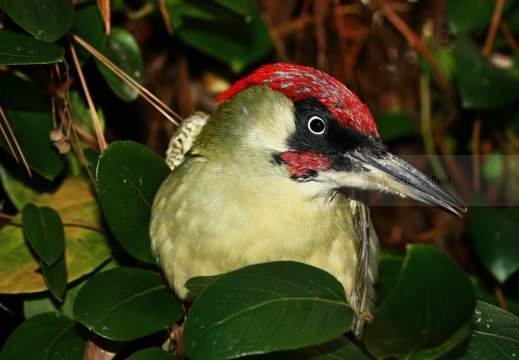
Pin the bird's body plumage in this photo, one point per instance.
(275, 174)
(245, 210)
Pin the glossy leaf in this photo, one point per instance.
(50, 336)
(152, 354)
(428, 312)
(494, 335)
(128, 176)
(46, 20)
(338, 349)
(487, 294)
(37, 303)
(264, 308)
(44, 230)
(224, 34)
(85, 248)
(495, 237)
(197, 285)
(55, 277)
(482, 84)
(20, 49)
(91, 158)
(122, 49)
(126, 304)
(389, 264)
(30, 119)
(479, 15)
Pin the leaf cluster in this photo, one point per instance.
(76, 253)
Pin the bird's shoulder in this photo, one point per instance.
(183, 138)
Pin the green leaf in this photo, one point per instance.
(82, 115)
(55, 277)
(338, 349)
(395, 124)
(197, 285)
(18, 185)
(91, 158)
(495, 237)
(244, 8)
(38, 303)
(477, 16)
(30, 118)
(46, 20)
(428, 312)
(125, 304)
(20, 49)
(44, 230)
(266, 307)
(85, 248)
(88, 25)
(49, 336)
(389, 264)
(122, 49)
(128, 176)
(482, 84)
(222, 33)
(152, 354)
(485, 292)
(494, 335)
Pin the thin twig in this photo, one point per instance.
(304, 19)
(101, 141)
(145, 93)
(15, 142)
(345, 54)
(5, 135)
(496, 19)
(6, 309)
(104, 9)
(509, 35)
(494, 189)
(82, 155)
(320, 10)
(426, 128)
(165, 16)
(500, 297)
(417, 43)
(460, 179)
(65, 221)
(476, 134)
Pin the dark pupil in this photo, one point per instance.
(317, 125)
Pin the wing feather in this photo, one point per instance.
(183, 138)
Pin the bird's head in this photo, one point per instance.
(330, 136)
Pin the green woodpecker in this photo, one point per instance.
(279, 172)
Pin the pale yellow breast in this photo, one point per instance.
(217, 219)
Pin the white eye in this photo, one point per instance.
(316, 125)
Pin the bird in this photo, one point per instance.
(281, 171)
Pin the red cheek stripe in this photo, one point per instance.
(299, 163)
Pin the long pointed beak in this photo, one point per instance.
(396, 174)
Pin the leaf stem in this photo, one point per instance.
(66, 222)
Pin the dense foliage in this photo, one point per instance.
(76, 271)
